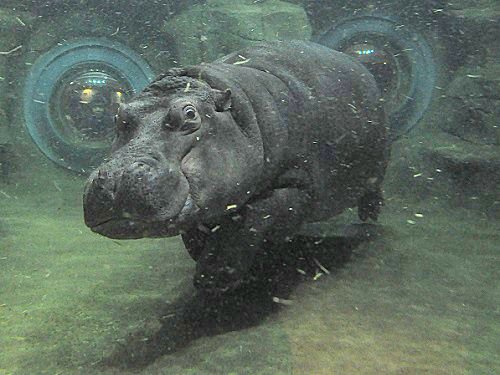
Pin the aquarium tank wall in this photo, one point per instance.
(415, 291)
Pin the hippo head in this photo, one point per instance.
(179, 159)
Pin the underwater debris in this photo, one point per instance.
(244, 60)
(317, 276)
(283, 301)
(353, 107)
(20, 21)
(5, 194)
(322, 268)
(11, 51)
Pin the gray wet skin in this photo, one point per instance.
(236, 155)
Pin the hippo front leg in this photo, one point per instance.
(230, 249)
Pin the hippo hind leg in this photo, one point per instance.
(369, 204)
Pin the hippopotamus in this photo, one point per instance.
(238, 154)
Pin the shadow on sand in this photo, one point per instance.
(193, 314)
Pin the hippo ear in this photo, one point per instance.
(222, 100)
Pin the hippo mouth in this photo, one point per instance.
(128, 227)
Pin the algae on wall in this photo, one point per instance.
(208, 31)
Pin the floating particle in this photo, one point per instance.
(5, 194)
(282, 301)
(11, 51)
(241, 62)
(317, 276)
(321, 266)
(20, 21)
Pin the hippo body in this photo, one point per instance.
(237, 154)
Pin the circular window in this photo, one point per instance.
(400, 60)
(84, 103)
(72, 94)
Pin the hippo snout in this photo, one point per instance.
(145, 192)
(100, 188)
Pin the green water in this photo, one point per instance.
(421, 298)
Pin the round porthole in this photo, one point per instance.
(400, 60)
(71, 95)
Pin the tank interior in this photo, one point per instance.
(417, 293)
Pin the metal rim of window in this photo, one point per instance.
(399, 58)
(70, 96)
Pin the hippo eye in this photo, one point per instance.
(189, 112)
(183, 118)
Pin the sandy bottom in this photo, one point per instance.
(421, 298)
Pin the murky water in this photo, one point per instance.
(417, 292)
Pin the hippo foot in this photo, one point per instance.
(369, 205)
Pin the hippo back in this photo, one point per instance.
(316, 110)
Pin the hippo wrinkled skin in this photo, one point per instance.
(237, 154)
